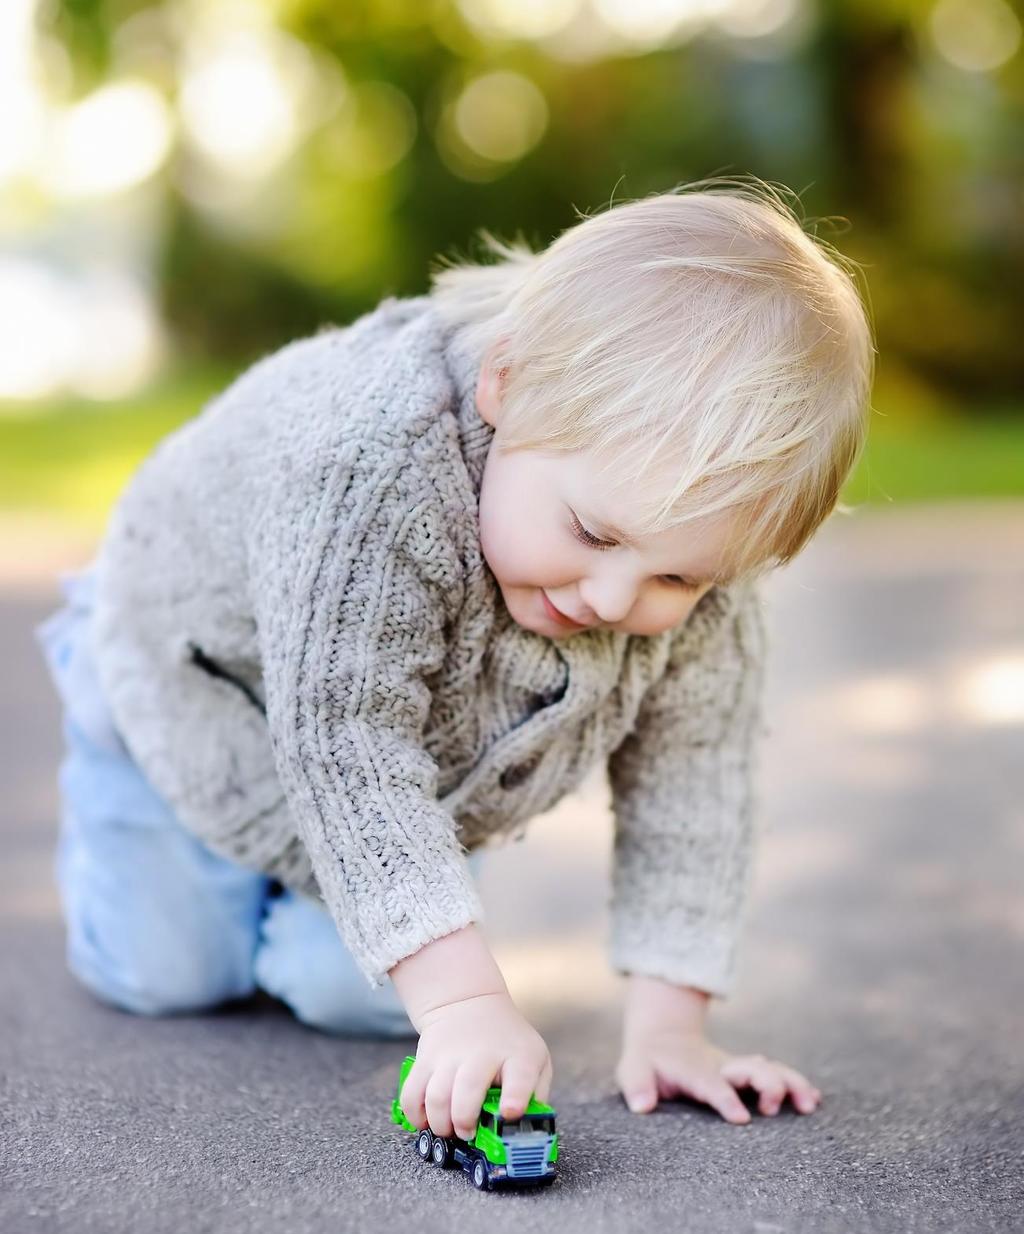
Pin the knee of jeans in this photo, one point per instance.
(302, 961)
(152, 984)
(334, 998)
(363, 1017)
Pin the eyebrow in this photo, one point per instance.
(616, 533)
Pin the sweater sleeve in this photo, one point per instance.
(681, 787)
(353, 582)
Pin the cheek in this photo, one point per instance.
(510, 545)
(683, 608)
(664, 611)
(513, 534)
(492, 542)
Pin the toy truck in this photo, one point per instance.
(503, 1152)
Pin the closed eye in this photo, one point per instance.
(585, 537)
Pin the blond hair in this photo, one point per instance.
(700, 334)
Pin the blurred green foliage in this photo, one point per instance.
(912, 164)
(857, 111)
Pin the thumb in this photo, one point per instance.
(639, 1087)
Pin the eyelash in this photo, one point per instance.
(585, 537)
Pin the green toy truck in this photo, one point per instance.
(503, 1152)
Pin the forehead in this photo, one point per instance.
(608, 469)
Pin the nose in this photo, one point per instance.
(608, 597)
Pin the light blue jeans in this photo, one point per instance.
(156, 922)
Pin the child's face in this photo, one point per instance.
(536, 511)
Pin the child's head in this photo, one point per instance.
(692, 367)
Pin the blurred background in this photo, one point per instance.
(188, 184)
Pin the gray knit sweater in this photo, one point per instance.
(309, 658)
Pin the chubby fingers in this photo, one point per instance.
(469, 1090)
(520, 1077)
(438, 1100)
(773, 1080)
(413, 1091)
(543, 1089)
(427, 1099)
(641, 1087)
(804, 1095)
(721, 1096)
(448, 1098)
(636, 1078)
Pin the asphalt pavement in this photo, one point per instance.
(882, 957)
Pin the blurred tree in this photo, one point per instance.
(866, 107)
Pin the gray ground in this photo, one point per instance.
(882, 957)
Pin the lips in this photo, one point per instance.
(560, 616)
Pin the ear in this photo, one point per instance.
(490, 388)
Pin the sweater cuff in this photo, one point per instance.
(707, 964)
(396, 916)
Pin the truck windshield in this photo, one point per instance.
(529, 1124)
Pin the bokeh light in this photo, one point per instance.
(239, 103)
(883, 705)
(757, 19)
(97, 335)
(281, 137)
(992, 692)
(496, 119)
(532, 19)
(374, 131)
(976, 35)
(110, 141)
(652, 22)
(37, 329)
(22, 105)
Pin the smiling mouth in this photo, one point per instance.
(569, 621)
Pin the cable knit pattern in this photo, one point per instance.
(683, 793)
(309, 658)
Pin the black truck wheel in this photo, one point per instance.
(480, 1180)
(425, 1144)
(442, 1152)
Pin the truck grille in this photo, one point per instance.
(526, 1159)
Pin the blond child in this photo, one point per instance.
(399, 588)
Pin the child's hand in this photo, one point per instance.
(464, 1048)
(662, 1062)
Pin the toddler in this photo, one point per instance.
(399, 587)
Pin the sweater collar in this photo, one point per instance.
(475, 434)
